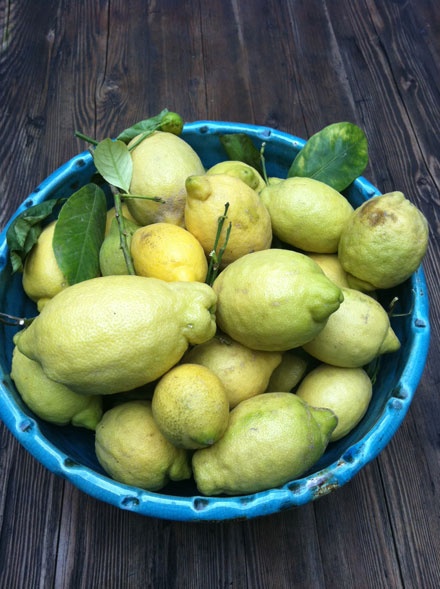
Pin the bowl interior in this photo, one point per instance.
(69, 451)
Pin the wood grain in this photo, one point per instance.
(98, 67)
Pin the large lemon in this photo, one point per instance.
(271, 439)
(115, 333)
(274, 299)
(161, 164)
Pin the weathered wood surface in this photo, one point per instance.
(296, 65)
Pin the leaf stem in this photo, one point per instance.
(215, 258)
(263, 162)
(122, 230)
(144, 135)
(15, 321)
(86, 138)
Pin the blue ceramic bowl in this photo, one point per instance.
(69, 451)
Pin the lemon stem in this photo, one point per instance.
(122, 230)
(15, 321)
(263, 161)
(214, 257)
(86, 138)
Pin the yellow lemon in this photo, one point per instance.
(190, 406)
(355, 334)
(241, 170)
(115, 333)
(274, 300)
(132, 450)
(332, 268)
(307, 213)
(243, 372)
(42, 277)
(51, 400)
(270, 440)
(250, 222)
(346, 391)
(161, 164)
(384, 242)
(168, 252)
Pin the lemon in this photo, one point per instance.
(270, 440)
(42, 277)
(111, 256)
(243, 372)
(115, 333)
(161, 164)
(168, 252)
(190, 406)
(241, 170)
(355, 334)
(50, 400)
(131, 449)
(307, 213)
(346, 391)
(384, 242)
(249, 219)
(274, 300)
(111, 214)
(288, 373)
(332, 268)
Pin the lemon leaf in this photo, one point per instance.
(336, 155)
(240, 147)
(113, 161)
(145, 126)
(79, 233)
(25, 229)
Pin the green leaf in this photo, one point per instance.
(146, 126)
(79, 233)
(24, 231)
(113, 161)
(240, 147)
(336, 155)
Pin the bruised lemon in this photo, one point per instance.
(168, 252)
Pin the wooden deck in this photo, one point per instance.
(296, 65)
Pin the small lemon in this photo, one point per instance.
(42, 277)
(111, 256)
(51, 400)
(241, 170)
(384, 242)
(346, 391)
(243, 372)
(111, 214)
(271, 439)
(207, 196)
(168, 252)
(132, 450)
(190, 406)
(288, 373)
(274, 300)
(332, 268)
(115, 333)
(307, 213)
(355, 334)
(161, 164)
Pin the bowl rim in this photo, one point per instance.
(198, 507)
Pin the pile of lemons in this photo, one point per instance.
(240, 383)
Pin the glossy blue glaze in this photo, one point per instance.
(69, 451)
